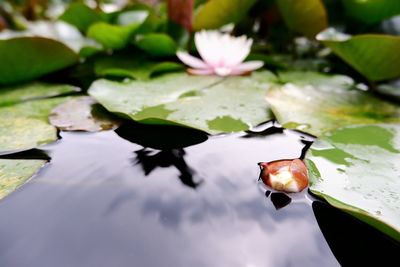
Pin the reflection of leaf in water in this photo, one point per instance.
(164, 159)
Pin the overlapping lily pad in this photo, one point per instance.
(210, 104)
(25, 125)
(356, 169)
(24, 114)
(15, 172)
(316, 103)
(82, 114)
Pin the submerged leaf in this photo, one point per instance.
(81, 114)
(15, 172)
(356, 169)
(318, 103)
(207, 103)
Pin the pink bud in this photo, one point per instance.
(285, 175)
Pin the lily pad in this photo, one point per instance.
(365, 52)
(130, 66)
(157, 44)
(371, 11)
(44, 56)
(14, 173)
(216, 13)
(81, 16)
(316, 103)
(211, 104)
(25, 126)
(82, 114)
(20, 93)
(355, 169)
(308, 17)
(112, 36)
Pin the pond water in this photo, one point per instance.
(106, 201)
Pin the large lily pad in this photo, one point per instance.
(44, 56)
(20, 93)
(209, 103)
(216, 13)
(307, 17)
(15, 172)
(373, 55)
(315, 103)
(356, 169)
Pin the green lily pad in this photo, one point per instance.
(20, 93)
(14, 173)
(112, 36)
(44, 56)
(356, 169)
(25, 126)
(211, 104)
(216, 13)
(130, 66)
(375, 56)
(316, 103)
(371, 11)
(81, 16)
(157, 44)
(307, 17)
(82, 114)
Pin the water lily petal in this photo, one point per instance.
(208, 44)
(236, 51)
(200, 71)
(247, 67)
(191, 61)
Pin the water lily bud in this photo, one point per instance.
(285, 175)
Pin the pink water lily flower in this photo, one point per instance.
(222, 55)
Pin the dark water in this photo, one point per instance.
(104, 201)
